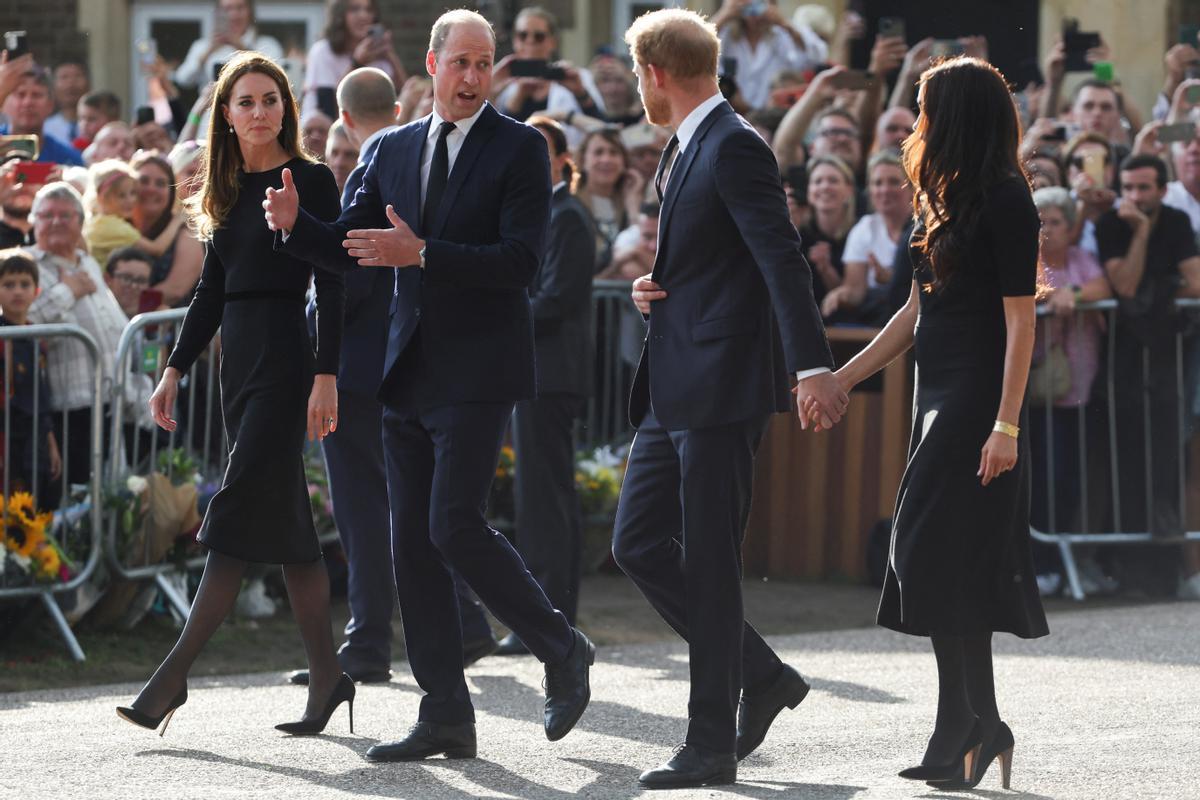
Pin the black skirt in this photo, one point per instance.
(262, 512)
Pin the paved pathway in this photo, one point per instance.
(1107, 707)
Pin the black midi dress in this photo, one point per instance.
(960, 559)
(256, 296)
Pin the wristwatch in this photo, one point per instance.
(421, 254)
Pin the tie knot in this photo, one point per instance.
(445, 129)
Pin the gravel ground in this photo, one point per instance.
(1106, 707)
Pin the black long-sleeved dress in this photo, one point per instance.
(960, 558)
(256, 296)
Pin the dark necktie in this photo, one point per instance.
(664, 167)
(439, 174)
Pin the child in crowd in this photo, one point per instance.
(18, 289)
(112, 198)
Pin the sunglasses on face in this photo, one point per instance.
(537, 36)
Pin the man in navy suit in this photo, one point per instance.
(354, 453)
(731, 312)
(476, 186)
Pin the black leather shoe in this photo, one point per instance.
(427, 739)
(477, 649)
(512, 645)
(299, 677)
(758, 710)
(568, 688)
(692, 766)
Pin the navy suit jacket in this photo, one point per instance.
(739, 314)
(460, 330)
(561, 295)
(368, 297)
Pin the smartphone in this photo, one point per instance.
(1103, 71)
(16, 43)
(1192, 95)
(143, 115)
(33, 172)
(217, 67)
(1057, 134)
(149, 300)
(376, 31)
(528, 67)
(729, 66)
(554, 72)
(1077, 43)
(946, 48)
(853, 79)
(1093, 167)
(892, 27)
(327, 101)
(797, 178)
(1179, 132)
(26, 147)
(1189, 34)
(147, 53)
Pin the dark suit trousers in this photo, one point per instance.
(547, 504)
(358, 485)
(440, 467)
(680, 521)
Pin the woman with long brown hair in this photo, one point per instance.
(273, 386)
(959, 565)
(353, 38)
(609, 187)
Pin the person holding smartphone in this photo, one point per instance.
(764, 43)
(233, 30)
(353, 38)
(529, 81)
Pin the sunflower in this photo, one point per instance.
(48, 561)
(21, 505)
(23, 539)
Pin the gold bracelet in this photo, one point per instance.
(1007, 429)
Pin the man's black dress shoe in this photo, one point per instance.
(758, 710)
(512, 645)
(427, 739)
(360, 675)
(691, 766)
(477, 649)
(568, 688)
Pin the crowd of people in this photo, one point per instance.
(1117, 188)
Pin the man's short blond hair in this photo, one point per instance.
(681, 42)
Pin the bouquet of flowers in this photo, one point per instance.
(598, 479)
(28, 548)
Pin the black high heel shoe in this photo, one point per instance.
(961, 767)
(343, 692)
(999, 747)
(130, 714)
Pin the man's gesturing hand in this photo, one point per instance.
(397, 246)
(282, 205)
(644, 292)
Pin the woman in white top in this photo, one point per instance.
(764, 43)
(535, 38)
(353, 38)
(871, 244)
(234, 31)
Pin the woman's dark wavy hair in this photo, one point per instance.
(965, 141)
(335, 24)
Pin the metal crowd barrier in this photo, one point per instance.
(64, 527)
(141, 358)
(619, 331)
(1087, 533)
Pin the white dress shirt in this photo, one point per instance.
(197, 72)
(684, 133)
(776, 51)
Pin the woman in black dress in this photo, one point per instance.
(959, 566)
(274, 388)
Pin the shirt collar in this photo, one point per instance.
(687, 128)
(463, 125)
(558, 186)
(370, 140)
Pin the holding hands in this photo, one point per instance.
(822, 400)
